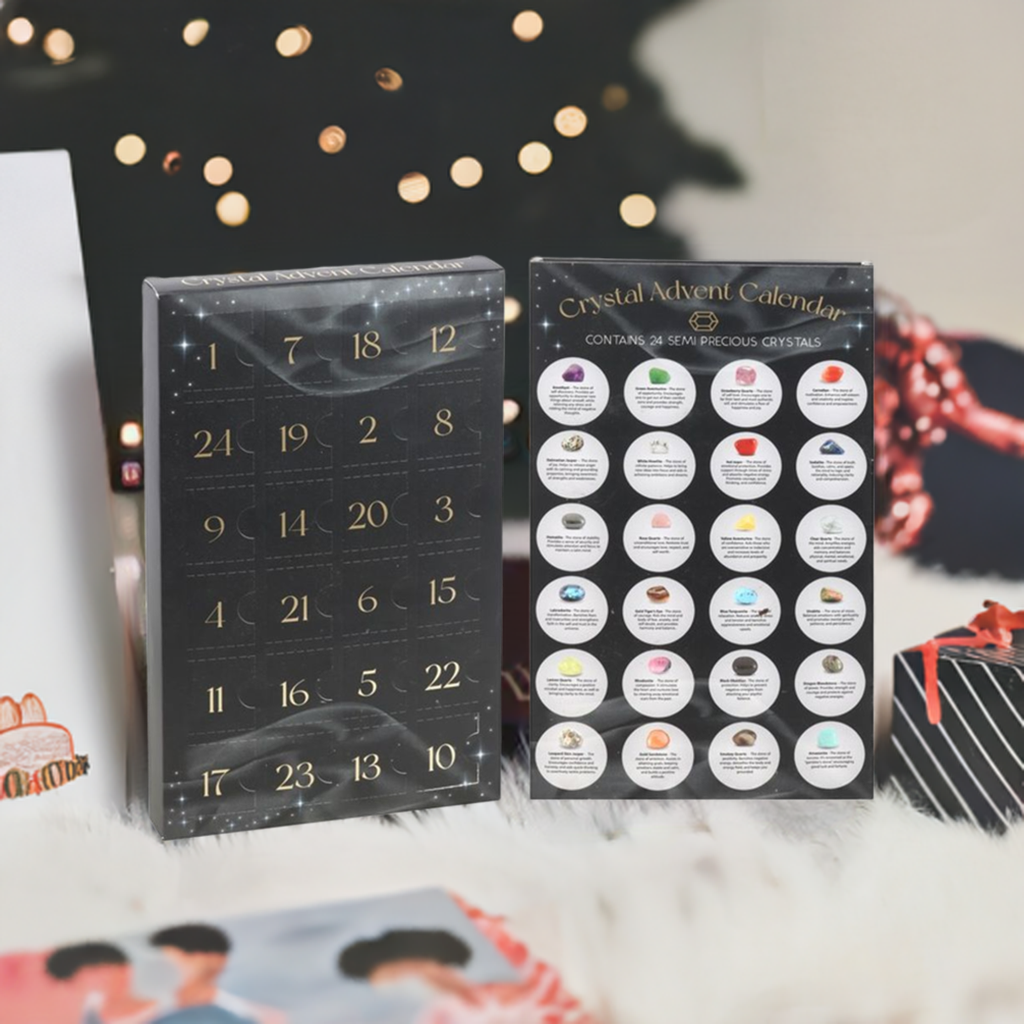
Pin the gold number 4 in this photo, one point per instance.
(216, 617)
(299, 777)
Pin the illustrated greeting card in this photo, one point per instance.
(418, 958)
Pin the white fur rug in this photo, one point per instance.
(823, 913)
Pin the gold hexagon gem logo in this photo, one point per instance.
(703, 320)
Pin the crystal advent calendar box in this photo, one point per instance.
(323, 511)
(701, 566)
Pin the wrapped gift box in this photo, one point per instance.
(958, 722)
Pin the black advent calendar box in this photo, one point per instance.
(323, 542)
(701, 568)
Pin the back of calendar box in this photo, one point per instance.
(701, 567)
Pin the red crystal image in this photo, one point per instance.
(745, 446)
(832, 374)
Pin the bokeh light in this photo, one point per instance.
(129, 149)
(131, 434)
(388, 79)
(614, 97)
(233, 209)
(195, 31)
(467, 171)
(218, 170)
(510, 410)
(513, 309)
(535, 158)
(294, 41)
(59, 45)
(414, 187)
(172, 162)
(20, 31)
(332, 139)
(570, 122)
(527, 26)
(638, 210)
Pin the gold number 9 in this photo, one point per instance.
(214, 525)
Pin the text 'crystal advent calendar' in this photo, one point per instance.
(323, 510)
(701, 565)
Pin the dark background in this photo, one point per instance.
(470, 88)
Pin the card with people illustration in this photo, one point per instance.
(424, 957)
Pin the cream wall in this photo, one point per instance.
(886, 130)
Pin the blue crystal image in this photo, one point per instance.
(830, 447)
(745, 595)
(572, 592)
(828, 739)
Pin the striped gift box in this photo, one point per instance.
(970, 764)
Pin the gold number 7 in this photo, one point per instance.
(293, 341)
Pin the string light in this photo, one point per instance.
(20, 31)
(59, 45)
(129, 149)
(195, 31)
(332, 139)
(467, 171)
(388, 79)
(527, 26)
(513, 309)
(614, 97)
(570, 122)
(294, 41)
(638, 210)
(218, 171)
(131, 434)
(535, 158)
(414, 187)
(233, 209)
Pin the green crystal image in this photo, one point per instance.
(656, 375)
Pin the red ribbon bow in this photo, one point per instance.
(992, 627)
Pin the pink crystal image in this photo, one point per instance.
(746, 375)
(659, 665)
